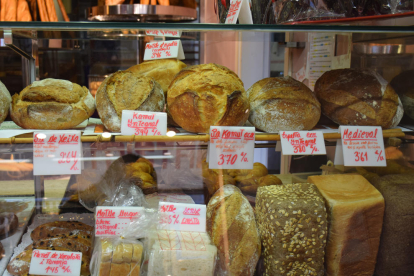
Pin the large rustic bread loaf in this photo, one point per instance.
(125, 90)
(232, 227)
(207, 95)
(282, 104)
(355, 212)
(293, 227)
(403, 84)
(358, 97)
(162, 71)
(5, 100)
(52, 104)
(397, 237)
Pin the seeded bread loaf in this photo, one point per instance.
(355, 212)
(232, 228)
(358, 97)
(8, 224)
(54, 228)
(282, 104)
(207, 95)
(403, 84)
(293, 227)
(5, 100)
(52, 104)
(125, 90)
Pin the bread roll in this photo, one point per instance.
(355, 212)
(358, 97)
(232, 228)
(52, 104)
(162, 71)
(125, 90)
(403, 84)
(293, 227)
(282, 104)
(5, 100)
(207, 95)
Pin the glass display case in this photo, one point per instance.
(291, 214)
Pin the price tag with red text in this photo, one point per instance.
(50, 262)
(231, 147)
(239, 9)
(57, 152)
(110, 221)
(164, 49)
(182, 217)
(143, 123)
(363, 146)
(302, 142)
(164, 33)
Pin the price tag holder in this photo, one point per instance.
(50, 262)
(363, 146)
(302, 142)
(143, 123)
(231, 147)
(57, 152)
(182, 217)
(239, 9)
(164, 33)
(110, 221)
(164, 49)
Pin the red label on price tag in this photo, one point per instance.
(363, 146)
(231, 147)
(182, 217)
(50, 262)
(234, 10)
(164, 49)
(302, 142)
(110, 221)
(143, 123)
(164, 33)
(57, 152)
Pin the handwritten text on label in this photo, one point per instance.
(142, 123)
(164, 49)
(50, 262)
(110, 221)
(165, 33)
(302, 142)
(182, 216)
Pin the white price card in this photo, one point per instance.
(239, 9)
(143, 123)
(110, 221)
(164, 33)
(164, 49)
(57, 152)
(302, 142)
(182, 217)
(363, 146)
(231, 147)
(50, 262)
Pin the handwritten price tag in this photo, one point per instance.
(302, 142)
(164, 33)
(50, 262)
(231, 147)
(143, 123)
(182, 217)
(110, 221)
(57, 152)
(164, 49)
(363, 146)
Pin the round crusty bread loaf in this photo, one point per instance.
(52, 104)
(125, 90)
(403, 84)
(5, 100)
(282, 104)
(207, 95)
(358, 97)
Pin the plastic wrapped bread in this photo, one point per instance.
(181, 253)
(293, 227)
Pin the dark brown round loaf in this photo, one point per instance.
(358, 97)
(403, 84)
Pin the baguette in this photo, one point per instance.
(43, 11)
(64, 13)
(23, 11)
(51, 10)
(10, 10)
(3, 10)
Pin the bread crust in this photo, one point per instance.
(5, 100)
(52, 104)
(204, 95)
(282, 104)
(358, 97)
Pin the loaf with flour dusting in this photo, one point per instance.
(5, 100)
(282, 104)
(358, 97)
(52, 104)
(125, 90)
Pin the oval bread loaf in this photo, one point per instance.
(232, 228)
(403, 84)
(358, 97)
(282, 104)
(205, 95)
(125, 90)
(52, 104)
(5, 100)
